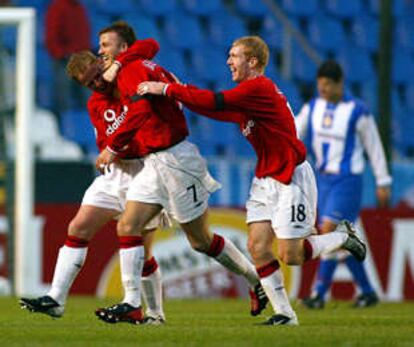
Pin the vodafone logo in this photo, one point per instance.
(114, 121)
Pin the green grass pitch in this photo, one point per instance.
(210, 323)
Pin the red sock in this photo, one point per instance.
(130, 241)
(308, 250)
(76, 242)
(216, 246)
(150, 266)
(268, 269)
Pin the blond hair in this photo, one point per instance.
(79, 63)
(254, 47)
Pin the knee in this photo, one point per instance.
(259, 250)
(124, 228)
(80, 230)
(290, 257)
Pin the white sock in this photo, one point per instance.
(275, 290)
(69, 262)
(326, 243)
(152, 294)
(234, 260)
(132, 261)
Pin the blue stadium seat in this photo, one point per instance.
(44, 64)
(402, 64)
(289, 89)
(116, 8)
(365, 32)
(145, 27)
(8, 37)
(39, 5)
(303, 68)
(409, 97)
(223, 28)
(326, 33)
(76, 126)
(404, 32)
(159, 7)
(344, 9)
(369, 93)
(397, 7)
(209, 64)
(251, 8)
(357, 64)
(301, 8)
(183, 31)
(202, 7)
(173, 60)
(272, 32)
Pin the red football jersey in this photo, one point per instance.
(157, 122)
(264, 117)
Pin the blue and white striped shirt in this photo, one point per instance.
(338, 134)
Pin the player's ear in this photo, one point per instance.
(253, 62)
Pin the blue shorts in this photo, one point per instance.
(339, 197)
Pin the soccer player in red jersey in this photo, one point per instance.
(283, 194)
(103, 201)
(174, 176)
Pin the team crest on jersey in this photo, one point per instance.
(114, 121)
(327, 119)
(248, 129)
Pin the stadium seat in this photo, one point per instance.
(116, 8)
(183, 31)
(409, 97)
(326, 33)
(223, 28)
(369, 93)
(289, 89)
(365, 32)
(272, 32)
(344, 9)
(404, 33)
(251, 8)
(173, 60)
(401, 73)
(356, 63)
(145, 27)
(209, 64)
(39, 5)
(76, 126)
(8, 37)
(301, 8)
(202, 7)
(303, 68)
(397, 7)
(159, 8)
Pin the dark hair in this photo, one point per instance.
(332, 70)
(124, 31)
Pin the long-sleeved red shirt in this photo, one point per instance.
(107, 112)
(67, 28)
(264, 117)
(156, 123)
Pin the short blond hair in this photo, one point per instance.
(255, 47)
(79, 63)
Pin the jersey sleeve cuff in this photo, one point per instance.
(164, 91)
(109, 149)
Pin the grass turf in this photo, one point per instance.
(210, 323)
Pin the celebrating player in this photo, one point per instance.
(174, 176)
(283, 195)
(340, 129)
(103, 201)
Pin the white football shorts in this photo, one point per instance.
(109, 191)
(290, 208)
(177, 179)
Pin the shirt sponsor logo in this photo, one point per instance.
(110, 117)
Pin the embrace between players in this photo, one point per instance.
(148, 168)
